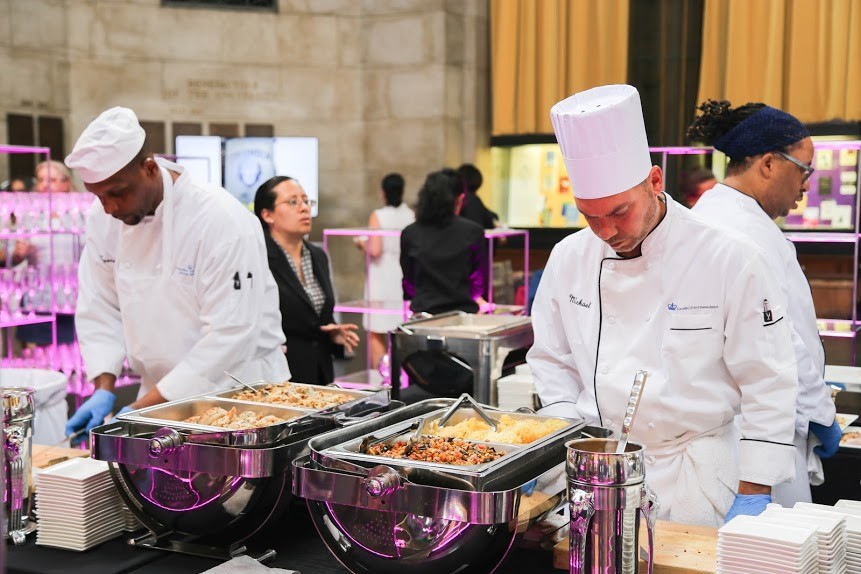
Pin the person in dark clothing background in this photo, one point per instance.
(305, 293)
(471, 206)
(443, 256)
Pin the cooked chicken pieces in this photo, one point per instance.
(219, 417)
(294, 396)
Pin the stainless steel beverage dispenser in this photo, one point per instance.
(606, 493)
(19, 407)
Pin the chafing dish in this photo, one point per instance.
(202, 489)
(378, 514)
(453, 353)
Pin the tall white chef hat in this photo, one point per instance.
(603, 140)
(107, 145)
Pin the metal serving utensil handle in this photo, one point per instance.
(581, 511)
(465, 398)
(241, 382)
(649, 506)
(631, 409)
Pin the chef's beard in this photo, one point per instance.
(650, 221)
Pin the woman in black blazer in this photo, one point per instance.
(305, 293)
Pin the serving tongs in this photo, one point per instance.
(371, 439)
(460, 402)
(260, 390)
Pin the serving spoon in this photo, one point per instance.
(631, 410)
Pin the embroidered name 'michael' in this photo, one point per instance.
(579, 301)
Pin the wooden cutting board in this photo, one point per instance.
(679, 549)
(45, 456)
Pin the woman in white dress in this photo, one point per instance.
(384, 272)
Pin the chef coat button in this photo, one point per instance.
(650, 460)
(651, 425)
(608, 423)
(611, 320)
(604, 370)
(612, 265)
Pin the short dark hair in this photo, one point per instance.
(437, 198)
(471, 177)
(393, 188)
(265, 197)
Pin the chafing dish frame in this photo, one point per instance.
(488, 495)
(484, 349)
(131, 443)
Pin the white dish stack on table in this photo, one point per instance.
(831, 531)
(516, 390)
(77, 505)
(748, 544)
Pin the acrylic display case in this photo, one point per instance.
(370, 377)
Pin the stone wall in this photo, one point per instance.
(386, 85)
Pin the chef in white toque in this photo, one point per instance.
(173, 276)
(649, 286)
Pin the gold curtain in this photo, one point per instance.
(545, 50)
(801, 56)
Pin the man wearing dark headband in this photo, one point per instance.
(769, 170)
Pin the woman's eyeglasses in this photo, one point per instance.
(807, 169)
(296, 202)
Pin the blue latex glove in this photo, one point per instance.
(124, 410)
(528, 487)
(751, 504)
(92, 413)
(830, 437)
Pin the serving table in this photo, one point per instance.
(679, 549)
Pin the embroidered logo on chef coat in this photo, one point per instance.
(766, 312)
(768, 315)
(107, 259)
(672, 307)
(579, 301)
(187, 270)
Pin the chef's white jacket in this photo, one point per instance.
(186, 294)
(728, 207)
(700, 311)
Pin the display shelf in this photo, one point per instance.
(367, 306)
(370, 378)
(821, 236)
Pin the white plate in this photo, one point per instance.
(767, 558)
(827, 525)
(846, 503)
(846, 419)
(856, 439)
(759, 547)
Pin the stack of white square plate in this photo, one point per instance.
(516, 391)
(853, 530)
(130, 521)
(749, 544)
(77, 505)
(830, 528)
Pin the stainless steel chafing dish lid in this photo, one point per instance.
(457, 324)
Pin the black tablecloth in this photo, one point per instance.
(294, 538)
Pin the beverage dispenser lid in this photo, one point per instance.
(18, 404)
